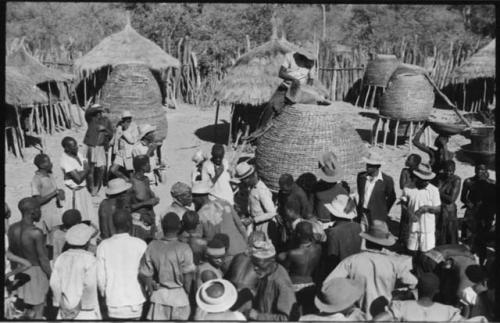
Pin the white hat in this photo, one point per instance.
(79, 234)
(373, 159)
(424, 172)
(329, 169)
(337, 207)
(201, 187)
(216, 304)
(116, 186)
(198, 157)
(126, 114)
(96, 106)
(144, 129)
(242, 171)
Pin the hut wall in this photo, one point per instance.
(133, 87)
(301, 134)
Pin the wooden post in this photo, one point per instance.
(374, 93)
(19, 128)
(334, 85)
(375, 131)
(230, 136)
(360, 92)
(411, 135)
(367, 95)
(464, 92)
(484, 92)
(84, 91)
(386, 130)
(32, 115)
(396, 133)
(216, 120)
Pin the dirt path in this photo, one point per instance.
(190, 129)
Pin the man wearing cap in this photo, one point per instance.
(167, 271)
(97, 138)
(216, 172)
(76, 169)
(126, 136)
(423, 203)
(74, 278)
(375, 190)
(376, 268)
(146, 145)
(211, 265)
(117, 197)
(215, 299)
(118, 260)
(330, 174)
(275, 298)
(342, 239)
(27, 241)
(337, 301)
(260, 200)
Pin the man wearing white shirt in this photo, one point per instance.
(423, 204)
(216, 172)
(118, 260)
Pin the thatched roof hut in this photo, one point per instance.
(38, 73)
(254, 77)
(479, 65)
(21, 90)
(121, 48)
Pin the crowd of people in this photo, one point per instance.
(230, 249)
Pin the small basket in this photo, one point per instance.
(447, 129)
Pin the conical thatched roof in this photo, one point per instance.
(21, 90)
(254, 77)
(32, 68)
(479, 65)
(124, 47)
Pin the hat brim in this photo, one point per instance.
(424, 176)
(250, 171)
(372, 161)
(328, 308)
(387, 242)
(227, 300)
(330, 179)
(307, 54)
(118, 190)
(339, 214)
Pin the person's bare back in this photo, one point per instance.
(302, 262)
(27, 241)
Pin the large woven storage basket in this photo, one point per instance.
(302, 133)
(409, 96)
(379, 70)
(133, 87)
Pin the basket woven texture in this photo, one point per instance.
(302, 133)
(133, 87)
(408, 97)
(379, 70)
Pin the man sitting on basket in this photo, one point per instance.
(299, 86)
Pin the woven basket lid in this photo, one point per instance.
(302, 133)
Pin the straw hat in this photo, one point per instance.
(216, 304)
(144, 129)
(373, 159)
(116, 186)
(307, 50)
(378, 233)
(79, 234)
(201, 187)
(179, 189)
(337, 206)
(329, 168)
(424, 172)
(338, 294)
(262, 249)
(126, 114)
(243, 170)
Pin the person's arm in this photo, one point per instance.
(25, 264)
(103, 222)
(239, 224)
(42, 199)
(266, 200)
(41, 250)
(146, 272)
(418, 144)
(141, 193)
(283, 74)
(403, 178)
(78, 176)
(434, 207)
(152, 148)
(101, 271)
(390, 193)
(129, 137)
(188, 269)
(464, 198)
(452, 197)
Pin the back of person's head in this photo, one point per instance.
(122, 220)
(415, 158)
(218, 150)
(27, 205)
(378, 305)
(207, 275)
(190, 220)
(292, 205)
(224, 238)
(307, 181)
(476, 273)
(171, 223)
(70, 218)
(428, 285)
(140, 161)
(256, 236)
(285, 181)
(39, 159)
(304, 231)
(66, 140)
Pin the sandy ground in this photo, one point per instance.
(190, 129)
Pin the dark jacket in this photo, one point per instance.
(382, 198)
(96, 137)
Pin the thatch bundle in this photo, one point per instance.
(20, 90)
(133, 87)
(123, 47)
(479, 65)
(30, 66)
(299, 135)
(409, 95)
(254, 77)
(379, 70)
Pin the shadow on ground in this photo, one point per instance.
(217, 134)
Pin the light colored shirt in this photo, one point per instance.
(260, 203)
(74, 279)
(118, 259)
(127, 138)
(369, 185)
(355, 315)
(69, 164)
(57, 239)
(222, 187)
(43, 185)
(412, 311)
(378, 271)
(300, 73)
